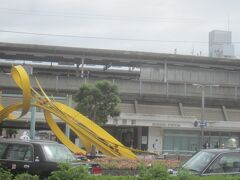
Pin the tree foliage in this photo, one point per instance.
(68, 172)
(5, 174)
(98, 101)
(26, 176)
(11, 132)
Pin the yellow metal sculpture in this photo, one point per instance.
(88, 132)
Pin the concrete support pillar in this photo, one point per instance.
(181, 111)
(140, 87)
(56, 83)
(211, 92)
(235, 94)
(225, 114)
(167, 89)
(185, 89)
(82, 68)
(77, 70)
(165, 72)
(139, 139)
(33, 120)
(67, 129)
(153, 134)
(136, 106)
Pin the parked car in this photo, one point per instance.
(213, 162)
(38, 157)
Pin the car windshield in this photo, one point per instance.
(57, 153)
(199, 161)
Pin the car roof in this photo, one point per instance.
(27, 141)
(218, 151)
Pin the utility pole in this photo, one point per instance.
(69, 102)
(33, 120)
(202, 122)
(202, 116)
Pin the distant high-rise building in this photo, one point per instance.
(220, 44)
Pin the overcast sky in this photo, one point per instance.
(139, 25)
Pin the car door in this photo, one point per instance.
(18, 158)
(227, 163)
(3, 147)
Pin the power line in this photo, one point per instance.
(110, 38)
(85, 14)
(101, 16)
(109, 17)
(102, 38)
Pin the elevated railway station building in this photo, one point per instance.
(160, 99)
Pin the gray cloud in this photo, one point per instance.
(173, 20)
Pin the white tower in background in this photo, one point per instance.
(220, 44)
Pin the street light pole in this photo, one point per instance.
(202, 116)
(202, 123)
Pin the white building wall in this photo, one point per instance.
(153, 134)
(220, 44)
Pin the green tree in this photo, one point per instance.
(156, 172)
(26, 176)
(10, 132)
(68, 172)
(5, 174)
(98, 101)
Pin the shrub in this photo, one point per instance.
(26, 176)
(124, 163)
(184, 174)
(155, 172)
(5, 175)
(223, 177)
(67, 172)
(114, 178)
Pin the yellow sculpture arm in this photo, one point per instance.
(88, 132)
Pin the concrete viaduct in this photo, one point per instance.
(156, 89)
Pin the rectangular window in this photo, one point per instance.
(124, 121)
(133, 122)
(227, 163)
(19, 152)
(3, 147)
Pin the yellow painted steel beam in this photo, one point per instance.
(88, 131)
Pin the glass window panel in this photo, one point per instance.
(227, 163)
(214, 142)
(178, 143)
(3, 147)
(185, 143)
(193, 144)
(168, 143)
(19, 152)
(57, 153)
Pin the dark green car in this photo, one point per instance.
(38, 157)
(215, 162)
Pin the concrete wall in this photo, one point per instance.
(190, 75)
(155, 133)
(133, 87)
(153, 109)
(210, 113)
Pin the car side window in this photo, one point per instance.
(227, 163)
(19, 152)
(3, 147)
